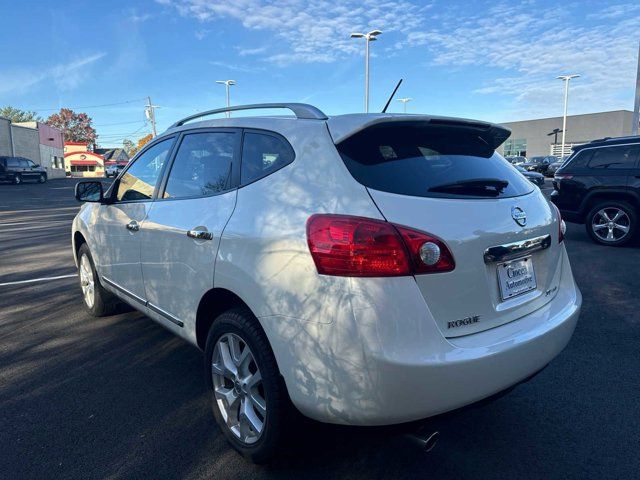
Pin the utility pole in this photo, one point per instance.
(404, 102)
(566, 79)
(150, 113)
(368, 37)
(227, 84)
(636, 108)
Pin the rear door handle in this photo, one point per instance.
(200, 234)
(133, 226)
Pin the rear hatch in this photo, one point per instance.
(444, 178)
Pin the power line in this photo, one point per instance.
(118, 123)
(88, 106)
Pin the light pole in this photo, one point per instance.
(227, 84)
(368, 37)
(566, 79)
(404, 102)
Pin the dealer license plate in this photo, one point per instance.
(516, 277)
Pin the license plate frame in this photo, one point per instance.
(516, 277)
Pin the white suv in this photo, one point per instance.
(370, 269)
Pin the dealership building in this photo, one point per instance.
(531, 138)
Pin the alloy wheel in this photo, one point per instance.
(86, 281)
(611, 224)
(238, 388)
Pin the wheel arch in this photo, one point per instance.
(608, 195)
(212, 304)
(78, 240)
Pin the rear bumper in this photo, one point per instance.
(389, 366)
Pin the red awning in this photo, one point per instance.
(83, 162)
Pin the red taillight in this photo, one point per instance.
(562, 227)
(362, 247)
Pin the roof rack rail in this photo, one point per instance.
(300, 110)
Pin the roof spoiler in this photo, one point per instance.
(346, 126)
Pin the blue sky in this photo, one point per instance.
(489, 60)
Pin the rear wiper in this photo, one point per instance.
(477, 184)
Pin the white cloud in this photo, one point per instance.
(236, 67)
(243, 52)
(531, 45)
(315, 31)
(66, 76)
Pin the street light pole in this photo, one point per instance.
(368, 37)
(404, 102)
(566, 79)
(227, 84)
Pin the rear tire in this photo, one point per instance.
(98, 301)
(239, 404)
(17, 179)
(612, 223)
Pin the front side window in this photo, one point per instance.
(263, 154)
(202, 166)
(614, 158)
(139, 181)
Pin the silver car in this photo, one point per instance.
(364, 269)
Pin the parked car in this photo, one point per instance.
(364, 269)
(599, 185)
(553, 167)
(539, 164)
(517, 160)
(113, 170)
(20, 169)
(534, 177)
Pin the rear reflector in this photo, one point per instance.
(349, 246)
(562, 227)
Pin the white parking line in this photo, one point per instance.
(43, 279)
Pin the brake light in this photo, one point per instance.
(562, 177)
(562, 227)
(349, 246)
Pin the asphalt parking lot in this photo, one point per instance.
(121, 397)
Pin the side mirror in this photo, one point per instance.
(89, 192)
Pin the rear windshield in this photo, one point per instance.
(430, 162)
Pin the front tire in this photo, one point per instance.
(98, 301)
(249, 396)
(612, 223)
(42, 178)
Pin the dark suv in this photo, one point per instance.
(599, 185)
(19, 169)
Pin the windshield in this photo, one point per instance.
(536, 159)
(430, 162)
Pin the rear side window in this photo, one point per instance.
(202, 166)
(611, 158)
(13, 162)
(263, 154)
(430, 162)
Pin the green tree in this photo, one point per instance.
(17, 115)
(76, 126)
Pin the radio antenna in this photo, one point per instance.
(384, 110)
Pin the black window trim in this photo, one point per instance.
(586, 170)
(268, 133)
(112, 191)
(235, 162)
